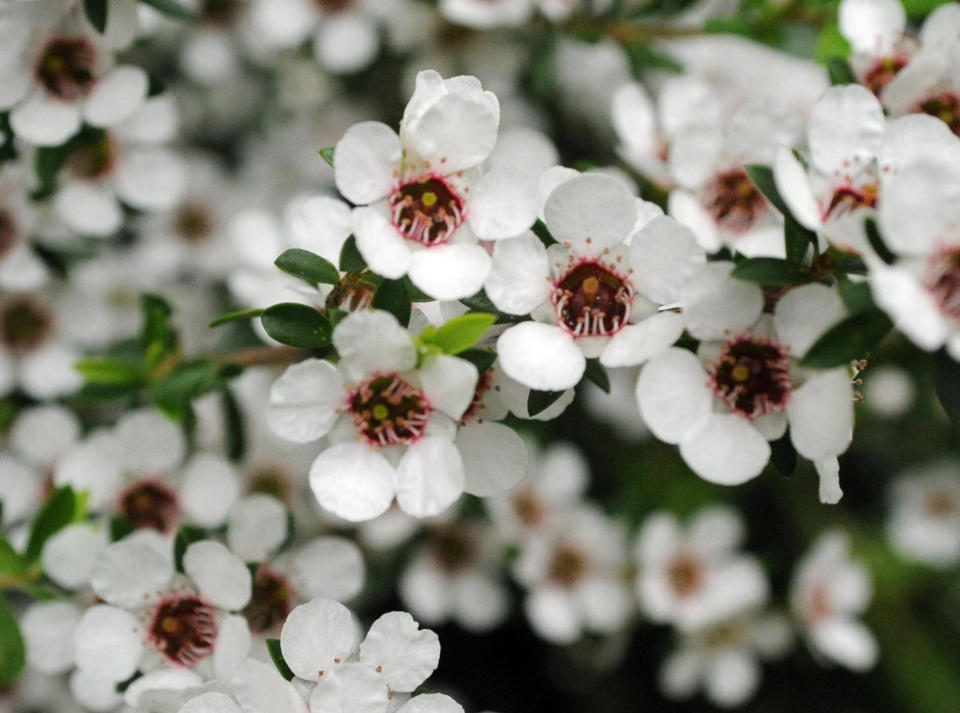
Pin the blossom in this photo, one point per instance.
(20, 268)
(924, 520)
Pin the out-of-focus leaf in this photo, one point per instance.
(13, 652)
(947, 380)
(108, 370)
(61, 508)
(233, 316)
(235, 426)
(326, 154)
(391, 296)
(876, 241)
(783, 455)
(771, 271)
(597, 374)
(840, 72)
(350, 258)
(849, 339)
(171, 8)
(96, 12)
(483, 359)
(186, 536)
(539, 401)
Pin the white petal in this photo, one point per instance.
(42, 433)
(130, 572)
(540, 356)
(450, 272)
(259, 687)
(633, 117)
(367, 161)
(94, 692)
(93, 466)
(680, 674)
(108, 642)
(209, 488)
(519, 279)
(828, 470)
(116, 96)
(157, 121)
(406, 653)
(732, 677)
(321, 224)
(46, 626)
(673, 395)
(381, 245)
(687, 210)
(457, 131)
(804, 313)
(150, 178)
(448, 383)
(304, 401)
(212, 702)
(160, 686)
(590, 212)
(716, 528)
(233, 645)
(942, 26)
(911, 306)
(221, 577)
(48, 372)
(846, 126)
(494, 457)
(794, 187)
(431, 703)
(89, 209)
(872, 26)
(257, 527)
(636, 343)
(353, 481)
(728, 450)
(716, 305)
(373, 341)
(152, 443)
(70, 555)
(847, 642)
(664, 256)
(42, 121)
(821, 415)
(429, 477)
(503, 204)
(330, 567)
(346, 42)
(553, 615)
(919, 205)
(314, 635)
(350, 688)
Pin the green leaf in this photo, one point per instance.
(855, 295)
(481, 303)
(109, 370)
(11, 562)
(48, 160)
(96, 11)
(541, 230)
(350, 258)
(483, 359)
(840, 72)
(174, 392)
(157, 335)
(459, 333)
(13, 652)
(326, 154)
(120, 527)
(876, 241)
(849, 339)
(762, 177)
(831, 43)
(186, 536)
(233, 316)
(539, 401)
(235, 425)
(171, 8)
(783, 455)
(798, 239)
(946, 378)
(60, 509)
(308, 266)
(770, 271)
(273, 646)
(415, 293)
(391, 296)
(597, 374)
(297, 325)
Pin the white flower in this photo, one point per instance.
(423, 201)
(484, 14)
(696, 578)
(154, 618)
(722, 659)
(390, 424)
(59, 73)
(574, 576)
(255, 687)
(828, 593)
(924, 522)
(20, 268)
(889, 391)
(455, 575)
(592, 295)
(880, 48)
(744, 387)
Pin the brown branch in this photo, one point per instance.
(261, 356)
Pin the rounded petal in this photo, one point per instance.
(687, 210)
(346, 42)
(380, 243)
(130, 572)
(209, 487)
(845, 128)
(540, 356)
(519, 279)
(673, 395)
(150, 178)
(872, 26)
(108, 642)
(794, 187)
(847, 642)
(449, 383)
(221, 577)
(804, 313)
(94, 692)
(367, 162)
(431, 703)
(42, 121)
(665, 256)
(553, 615)
(728, 450)
(212, 702)
(716, 305)
(42, 433)
(590, 212)
(351, 687)
(45, 627)
(942, 26)
(494, 458)
(398, 648)
(305, 400)
(821, 415)
(732, 677)
(233, 645)
(913, 308)
(89, 209)
(70, 555)
(116, 96)
(457, 131)
(353, 481)
(152, 444)
(430, 477)
(315, 635)
(450, 272)
(373, 341)
(329, 567)
(503, 204)
(636, 343)
(257, 527)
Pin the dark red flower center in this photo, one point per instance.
(270, 480)
(734, 201)
(94, 158)
(592, 301)
(847, 199)
(427, 210)
(752, 377)
(184, 629)
(220, 12)
(151, 504)
(389, 411)
(944, 106)
(193, 222)
(943, 280)
(8, 232)
(453, 548)
(527, 507)
(270, 602)
(334, 5)
(685, 575)
(25, 324)
(66, 67)
(882, 72)
(567, 566)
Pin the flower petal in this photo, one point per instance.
(373, 341)
(42, 121)
(367, 162)
(449, 383)
(404, 653)
(590, 212)
(803, 314)
(503, 204)
(221, 577)
(821, 415)
(636, 343)
(673, 395)
(450, 272)
(430, 477)
(116, 96)
(728, 450)
(519, 279)
(716, 305)
(353, 481)
(540, 356)
(305, 400)
(315, 635)
(494, 457)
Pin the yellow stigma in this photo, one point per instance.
(429, 198)
(741, 372)
(169, 625)
(380, 412)
(591, 285)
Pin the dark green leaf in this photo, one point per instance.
(798, 240)
(120, 527)
(273, 646)
(459, 333)
(597, 374)
(852, 338)
(108, 370)
(186, 536)
(235, 426)
(157, 335)
(762, 176)
(783, 455)
(13, 653)
(481, 303)
(308, 266)
(11, 562)
(61, 508)
(541, 230)
(232, 316)
(296, 324)
(855, 295)
(876, 241)
(770, 271)
(840, 72)
(539, 401)
(174, 392)
(350, 258)
(946, 377)
(391, 296)
(481, 358)
(96, 12)
(170, 8)
(327, 154)
(415, 293)
(48, 161)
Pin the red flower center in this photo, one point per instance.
(93, 159)
(847, 199)
(151, 504)
(734, 201)
(944, 106)
(752, 376)
(66, 67)
(388, 411)
(943, 280)
(427, 210)
(453, 548)
(883, 70)
(270, 601)
(184, 629)
(592, 301)
(685, 574)
(568, 565)
(25, 324)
